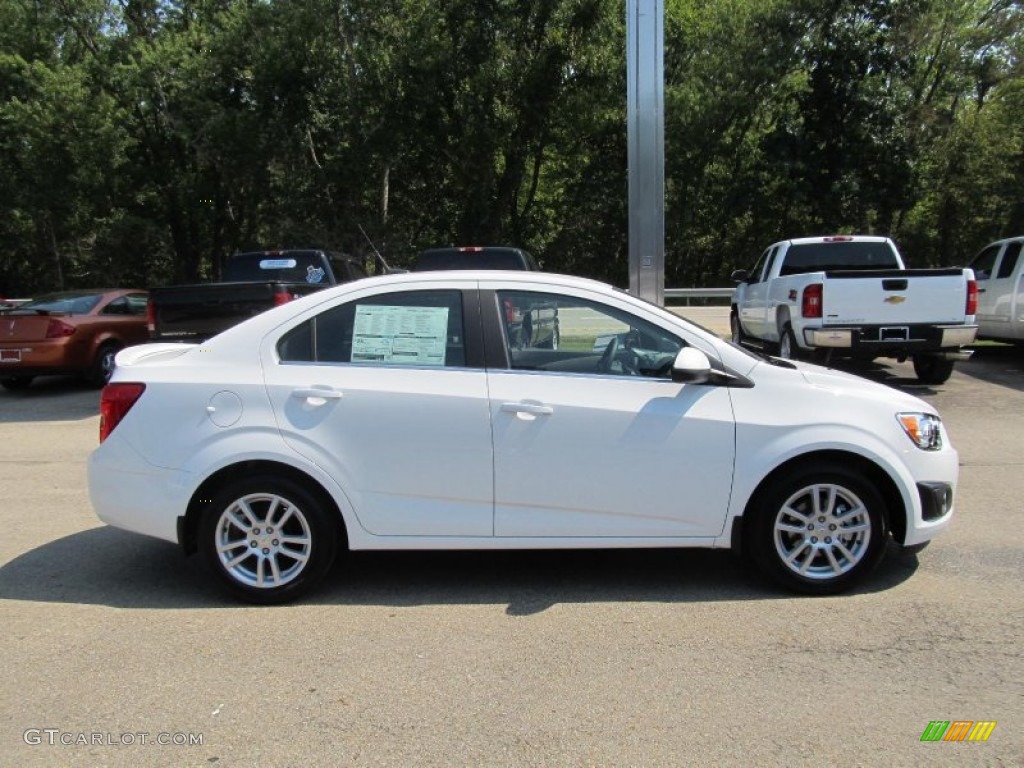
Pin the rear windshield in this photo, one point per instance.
(69, 303)
(286, 266)
(485, 258)
(822, 257)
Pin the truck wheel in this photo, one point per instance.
(735, 328)
(788, 349)
(932, 370)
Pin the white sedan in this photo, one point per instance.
(399, 413)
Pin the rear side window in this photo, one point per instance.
(412, 328)
(822, 257)
(1009, 262)
(984, 262)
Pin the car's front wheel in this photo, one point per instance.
(103, 365)
(268, 539)
(818, 530)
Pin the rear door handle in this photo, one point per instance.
(317, 395)
(533, 409)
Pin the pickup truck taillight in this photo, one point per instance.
(282, 297)
(151, 316)
(811, 304)
(972, 298)
(115, 401)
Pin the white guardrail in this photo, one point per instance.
(699, 293)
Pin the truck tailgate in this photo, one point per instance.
(196, 312)
(899, 297)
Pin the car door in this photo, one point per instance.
(1004, 289)
(754, 312)
(984, 266)
(592, 438)
(386, 391)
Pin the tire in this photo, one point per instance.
(16, 383)
(103, 366)
(822, 553)
(932, 370)
(788, 349)
(735, 329)
(241, 541)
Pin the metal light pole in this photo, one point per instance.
(645, 137)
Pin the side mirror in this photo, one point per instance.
(740, 276)
(691, 366)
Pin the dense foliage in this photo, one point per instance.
(141, 141)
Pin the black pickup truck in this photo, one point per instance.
(253, 283)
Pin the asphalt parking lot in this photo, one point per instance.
(118, 651)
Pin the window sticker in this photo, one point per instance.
(314, 274)
(278, 263)
(400, 335)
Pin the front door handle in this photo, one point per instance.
(533, 409)
(317, 395)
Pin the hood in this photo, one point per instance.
(841, 383)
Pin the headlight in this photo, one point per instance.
(924, 429)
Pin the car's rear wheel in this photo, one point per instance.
(788, 349)
(103, 365)
(818, 530)
(15, 383)
(268, 539)
(931, 369)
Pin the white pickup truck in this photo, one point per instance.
(999, 270)
(852, 295)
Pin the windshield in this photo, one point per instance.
(69, 303)
(822, 257)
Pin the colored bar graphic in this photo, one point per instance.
(935, 730)
(982, 730)
(958, 730)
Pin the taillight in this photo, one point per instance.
(58, 329)
(510, 311)
(115, 402)
(838, 239)
(811, 306)
(151, 316)
(972, 298)
(281, 297)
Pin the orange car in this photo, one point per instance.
(69, 332)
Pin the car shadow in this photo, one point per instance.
(105, 566)
(1000, 364)
(50, 398)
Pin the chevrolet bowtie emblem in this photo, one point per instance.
(895, 299)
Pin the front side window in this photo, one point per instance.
(1009, 262)
(564, 334)
(412, 328)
